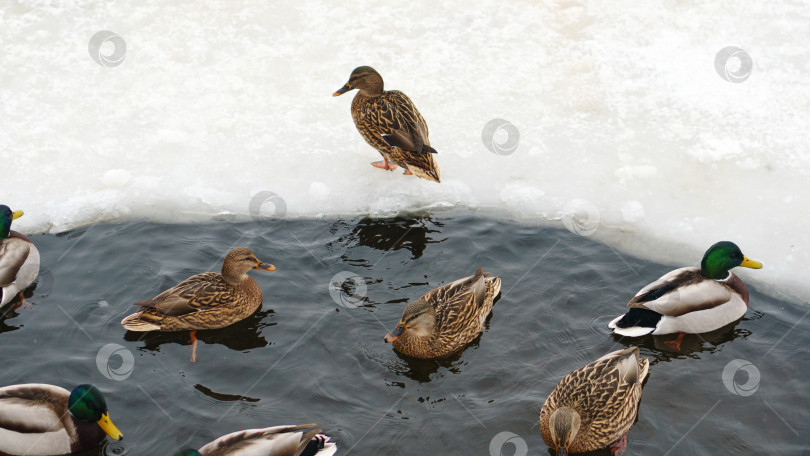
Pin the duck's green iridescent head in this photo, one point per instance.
(723, 256)
(86, 403)
(6, 216)
(188, 452)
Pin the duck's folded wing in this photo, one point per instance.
(398, 122)
(278, 440)
(27, 409)
(680, 292)
(12, 257)
(195, 294)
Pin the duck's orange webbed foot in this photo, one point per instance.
(408, 173)
(618, 447)
(193, 335)
(676, 344)
(384, 164)
(23, 303)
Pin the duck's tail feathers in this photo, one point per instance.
(636, 322)
(320, 445)
(134, 323)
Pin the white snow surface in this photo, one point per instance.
(624, 121)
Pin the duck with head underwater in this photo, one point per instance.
(389, 122)
(690, 300)
(44, 420)
(595, 406)
(19, 259)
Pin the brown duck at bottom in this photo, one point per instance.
(595, 406)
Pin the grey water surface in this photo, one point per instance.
(306, 357)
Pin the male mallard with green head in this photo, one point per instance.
(390, 123)
(301, 440)
(19, 259)
(204, 301)
(595, 406)
(690, 300)
(446, 319)
(40, 419)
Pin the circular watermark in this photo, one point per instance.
(502, 438)
(751, 384)
(580, 217)
(347, 289)
(258, 207)
(733, 64)
(505, 146)
(113, 59)
(104, 366)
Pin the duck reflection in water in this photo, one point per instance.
(409, 233)
(241, 336)
(660, 348)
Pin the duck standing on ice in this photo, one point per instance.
(390, 123)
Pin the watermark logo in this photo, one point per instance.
(581, 217)
(111, 59)
(347, 289)
(733, 64)
(266, 206)
(502, 438)
(493, 137)
(106, 368)
(750, 374)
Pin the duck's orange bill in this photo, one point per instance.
(394, 335)
(266, 267)
(107, 426)
(749, 263)
(342, 90)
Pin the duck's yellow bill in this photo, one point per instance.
(16, 214)
(107, 426)
(749, 263)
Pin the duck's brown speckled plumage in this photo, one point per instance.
(377, 113)
(204, 301)
(458, 311)
(605, 394)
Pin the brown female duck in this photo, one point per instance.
(390, 123)
(446, 319)
(204, 301)
(595, 406)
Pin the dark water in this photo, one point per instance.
(305, 358)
